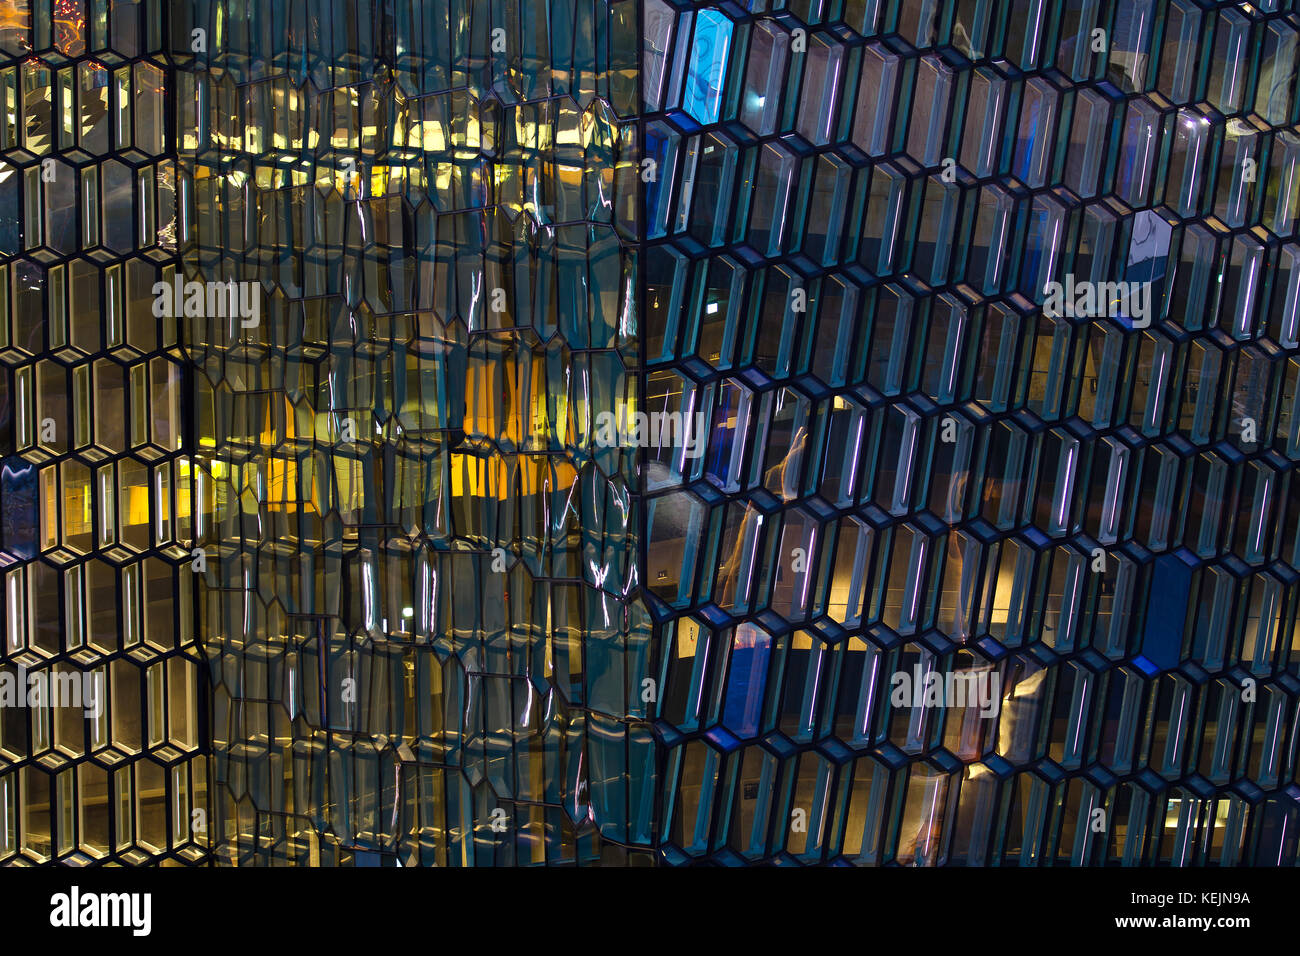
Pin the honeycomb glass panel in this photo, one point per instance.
(649, 431)
(994, 416)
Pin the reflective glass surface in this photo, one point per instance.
(608, 432)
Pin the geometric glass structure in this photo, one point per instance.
(102, 715)
(608, 432)
(871, 253)
(416, 606)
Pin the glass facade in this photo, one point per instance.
(607, 432)
(103, 725)
(416, 610)
(919, 463)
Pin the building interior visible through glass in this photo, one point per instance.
(348, 576)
